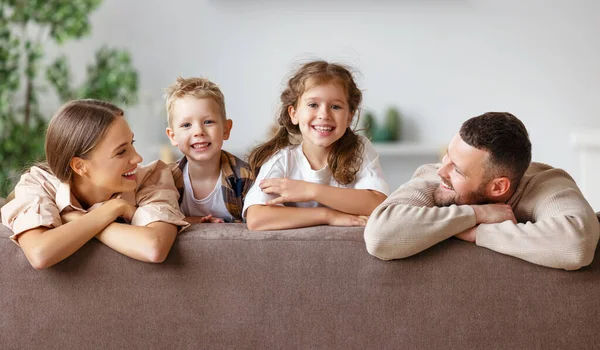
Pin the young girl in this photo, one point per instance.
(90, 180)
(333, 177)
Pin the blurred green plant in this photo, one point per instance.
(110, 77)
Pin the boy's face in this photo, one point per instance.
(198, 128)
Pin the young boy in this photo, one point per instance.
(212, 183)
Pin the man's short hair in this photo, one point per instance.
(195, 87)
(505, 138)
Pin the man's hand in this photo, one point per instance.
(469, 235)
(288, 190)
(201, 219)
(493, 213)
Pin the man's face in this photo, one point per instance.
(463, 177)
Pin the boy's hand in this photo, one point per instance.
(288, 190)
(201, 219)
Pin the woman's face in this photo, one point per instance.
(112, 164)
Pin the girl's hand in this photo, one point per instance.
(288, 190)
(202, 219)
(337, 218)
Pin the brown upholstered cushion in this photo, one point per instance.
(225, 287)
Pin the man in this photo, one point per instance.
(487, 191)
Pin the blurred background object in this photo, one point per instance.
(388, 130)
(25, 28)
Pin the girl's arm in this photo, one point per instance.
(267, 217)
(347, 200)
(45, 247)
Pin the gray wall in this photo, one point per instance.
(439, 61)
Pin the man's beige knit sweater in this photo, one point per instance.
(556, 225)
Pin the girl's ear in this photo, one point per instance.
(292, 113)
(78, 166)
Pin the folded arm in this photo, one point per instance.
(562, 233)
(408, 221)
(347, 200)
(150, 243)
(268, 217)
(45, 247)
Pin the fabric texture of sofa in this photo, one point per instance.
(223, 286)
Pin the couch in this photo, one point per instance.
(223, 286)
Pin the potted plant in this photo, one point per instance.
(25, 25)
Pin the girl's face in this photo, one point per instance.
(323, 115)
(111, 165)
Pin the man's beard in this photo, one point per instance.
(445, 198)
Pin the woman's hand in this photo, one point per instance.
(122, 208)
(288, 190)
(71, 216)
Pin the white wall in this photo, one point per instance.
(440, 62)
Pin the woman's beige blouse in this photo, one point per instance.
(40, 199)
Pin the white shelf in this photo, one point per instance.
(407, 149)
(586, 138)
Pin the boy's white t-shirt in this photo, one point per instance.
(213, 204)
(291, 163)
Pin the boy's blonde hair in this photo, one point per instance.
(195, 87)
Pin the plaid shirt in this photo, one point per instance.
(236, 180)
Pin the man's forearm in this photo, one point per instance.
(396, 231)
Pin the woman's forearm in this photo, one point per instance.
(150, 243)
(45, 247)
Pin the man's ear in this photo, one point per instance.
(499, 186)
(227, 129)
(171, 136)
(292, 113)
(78, 166)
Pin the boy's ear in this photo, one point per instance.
(78, 165)
(227, 129)
(292, 113)
(171, 136)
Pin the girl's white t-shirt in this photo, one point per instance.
(213, 203)
(291, 163)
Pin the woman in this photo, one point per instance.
(91, 179)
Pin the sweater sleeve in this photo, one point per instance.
(560, 229)
(408, 221)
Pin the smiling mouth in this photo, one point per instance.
(446, 186)
(130, 174)
(323, 129)
(200, 145)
